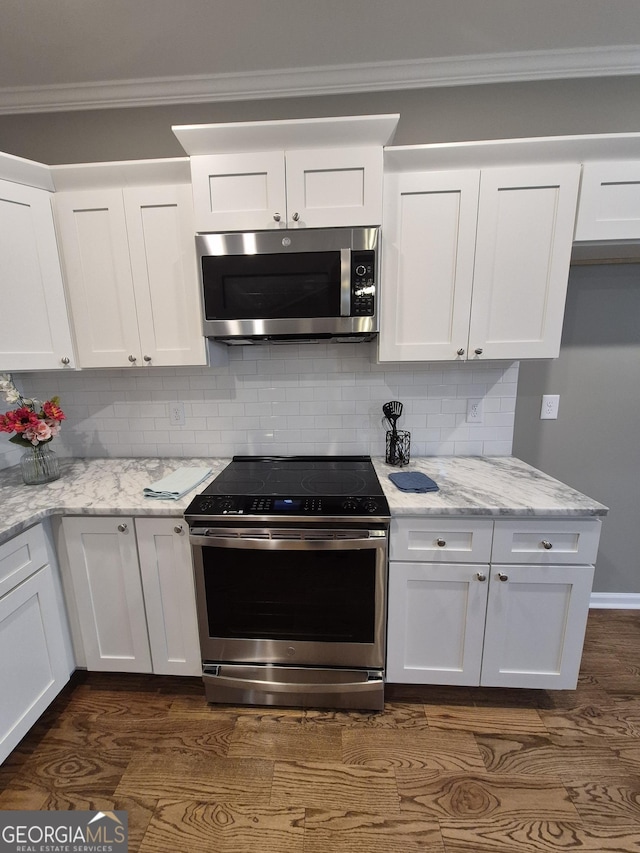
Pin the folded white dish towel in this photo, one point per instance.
(176, 484)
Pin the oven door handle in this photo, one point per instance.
(271, 541)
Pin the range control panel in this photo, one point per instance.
(270, 505)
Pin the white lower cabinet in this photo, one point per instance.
(134, 592)
(169, 595)
(436, 623)
(513, 614)
(536, 619)
(34, 661)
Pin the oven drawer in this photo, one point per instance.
(311, 687)
(546, 542)
(443, 540)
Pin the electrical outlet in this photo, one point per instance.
(549, 409)
(176, 414)
(475, 411)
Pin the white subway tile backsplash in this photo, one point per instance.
(325, 398)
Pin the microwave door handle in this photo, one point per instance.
(345, 282)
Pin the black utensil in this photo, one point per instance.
(392, 412)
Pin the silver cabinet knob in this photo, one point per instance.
(178, 529)
(277, 217)
(441, 543)
(132, 359)
(478, 351)
(122, 528)
(65, 360)
(460, 351)
(295, 216)
(147, 358)
(503, 577)
(547, 545)
(481, 577)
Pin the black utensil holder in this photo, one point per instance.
(398, 451)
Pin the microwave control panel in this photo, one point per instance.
(363, 283)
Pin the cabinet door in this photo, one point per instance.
(609, 206)
(95, 247)
(33, 659)
(104, 568)
(239, 192)
(525, 230)
(436, 623)
(34, 323)
(334, 187)
(165, 276)
(167, 580)
(428, 252)
(536, 620)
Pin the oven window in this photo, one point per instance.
(267, 287)
(291, 595)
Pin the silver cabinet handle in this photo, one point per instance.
(547, 545)
(178, 529)
(478, 351)
(441, 543)
(147, 358)
(503, 577)
(65, 360)
(132, 359)
(481, 576)
(122, 528)
(460, 351)
(295, 216)
(276, 216)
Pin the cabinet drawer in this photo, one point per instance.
(21, 557)
(546, 542)
(441, 540)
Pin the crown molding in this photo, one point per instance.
(327, 80)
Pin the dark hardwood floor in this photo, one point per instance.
(445, 770)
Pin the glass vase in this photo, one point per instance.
(39, 465)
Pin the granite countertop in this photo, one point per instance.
(486, 485)
(469, 485)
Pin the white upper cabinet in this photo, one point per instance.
(314, 188)
(305, 173)
(609, 207)
(476, 262)
(34, 324)
(428, 249)
(526, 218)
(131, 275)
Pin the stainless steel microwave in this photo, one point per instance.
(287, 286)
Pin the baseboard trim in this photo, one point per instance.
(615, 600)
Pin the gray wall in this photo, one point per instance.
(550, 108)
(594, 445)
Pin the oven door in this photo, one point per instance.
(294, 596)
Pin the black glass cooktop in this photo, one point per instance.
(293, 485)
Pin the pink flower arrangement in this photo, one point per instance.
(32, 422)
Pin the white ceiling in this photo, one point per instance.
(75, 54)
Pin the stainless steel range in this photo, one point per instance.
(290, 558)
